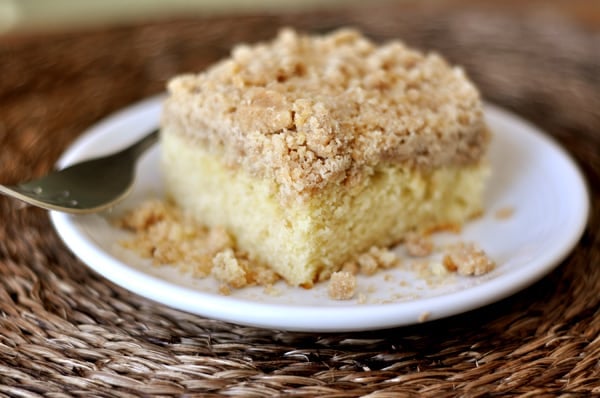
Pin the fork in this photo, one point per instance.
(87, 187)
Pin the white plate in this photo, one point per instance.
(531, 174)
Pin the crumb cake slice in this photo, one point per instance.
(310, 150)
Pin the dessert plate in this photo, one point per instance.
(536, 210)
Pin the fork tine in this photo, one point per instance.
(18, 193)
(82, 187)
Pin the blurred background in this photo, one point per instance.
(19, 15)
(48, 15)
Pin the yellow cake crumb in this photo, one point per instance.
(467, 258)
(342, 286)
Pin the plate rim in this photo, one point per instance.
(373, 315)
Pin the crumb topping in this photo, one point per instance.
(308, 111)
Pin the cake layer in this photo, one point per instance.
(300, 239)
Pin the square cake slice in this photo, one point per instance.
(310, 150)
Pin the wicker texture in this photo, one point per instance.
(66, 331)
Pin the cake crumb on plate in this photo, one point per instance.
(467, 258)
(342, 286)
(504, 213)
(424, 316)
(227, 268)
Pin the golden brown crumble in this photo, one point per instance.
(367, 263)
(467, 258)
(371, 261)
(165, 235)
(418, 245)
(228, 269)
(308, 111)
(342, 286)
(386, 258)
(147, 214)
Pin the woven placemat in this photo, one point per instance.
(66, 331)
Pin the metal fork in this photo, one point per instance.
(87, 187)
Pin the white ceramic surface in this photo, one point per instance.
(531, 174)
